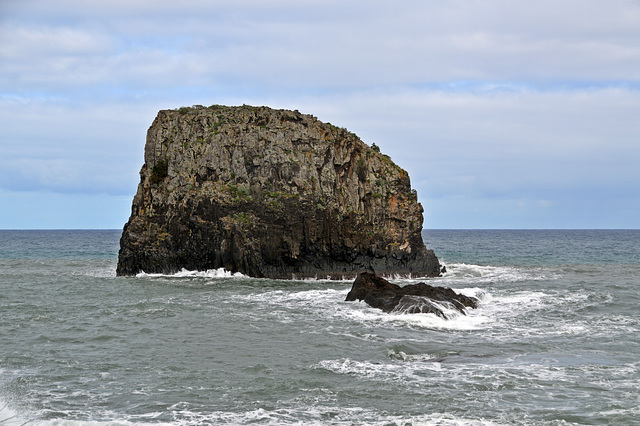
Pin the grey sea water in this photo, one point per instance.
(556, 339)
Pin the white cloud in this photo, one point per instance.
(529, 103)
(23, 41)
(326, 45)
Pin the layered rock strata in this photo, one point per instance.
(269, 193)
(411, 299)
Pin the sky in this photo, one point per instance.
(506, 114)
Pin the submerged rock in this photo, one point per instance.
(411, 299)
(269, 193)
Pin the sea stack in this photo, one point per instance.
(270, 193)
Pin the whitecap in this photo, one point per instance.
(374, 370)
(482, 274)
(185, 273)
(322, 414)
(331, 302)
(455, 321)
(9, 417)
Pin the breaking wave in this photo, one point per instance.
(184, 273)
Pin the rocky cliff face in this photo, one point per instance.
(269, 193)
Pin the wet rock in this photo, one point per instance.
(411, 299)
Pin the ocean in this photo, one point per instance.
(554, 341)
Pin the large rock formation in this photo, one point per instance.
(418, 298)
(269, 193)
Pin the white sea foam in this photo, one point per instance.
(9, 417)
(480, 274)
(428, 370)
(330, 302)
(518, 301)
(501, 309)
(458, 274)
(325, 414)
(323, 302)
(403, 356)
(454, 321)
(295, 414)
(524, 313)
(328, 279)
(308, 299)
(184, 273)
(374, 370)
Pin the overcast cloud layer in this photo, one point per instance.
(506, 114)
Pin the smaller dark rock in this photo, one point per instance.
(411, 299)
(443, 270)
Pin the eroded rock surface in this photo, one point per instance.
(411, 299)
(269, 193)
